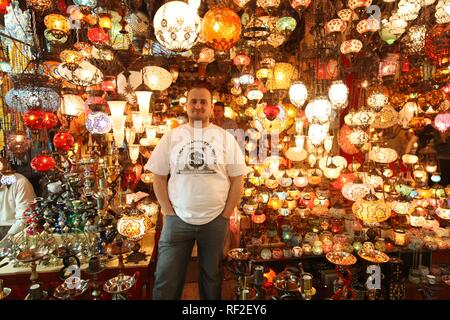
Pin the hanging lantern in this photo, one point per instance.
(442, 121)
(355, 4)
(221, 28)
(49, 120)
(347, 15)
(298, 93)
(351, 46)
(335, 26)
(98, 123)
(368, 25)
(286, 25)
(108, 84)
(282, 75)
(3, 5)
(63, 140)
(343, 179)
(241, 60)
(43, 163)
(271, 111)
(254, 94)
(33, 119)
(73, 105)
(85, 5)
(57, 26)
(241, 3)
(268, 5)
(355, 190)
(98, 35)
(40, 5)
(402, 207)
(338, 94)
(299, 4)
(177, 26)
(318, 110)
(71, 59)
(157, 78)
(442, 13)
(104, 20)
(382, 155)
(371, 210)
(18, 143)
(344, 140)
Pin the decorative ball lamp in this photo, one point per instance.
(298, 93)
(177, 26)
(63, 140)
(157, 78)
(43, 163)
(18, 143)
(221, 28)
(370, 209)
(98, 122)
(442, 122)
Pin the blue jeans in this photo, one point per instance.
(174, 253)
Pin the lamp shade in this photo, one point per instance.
(98, 123)
(221, 28)
(43, 163)
(157, 78)
(354, 191)
(63, 140)
(281, 77)
(177, 26)
(298, 93)
(117, 108)
(133, 149)
(371, 210)
(338, 94)
(72, 105)
(132, 226)
(57, 26)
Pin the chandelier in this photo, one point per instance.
(27, 95)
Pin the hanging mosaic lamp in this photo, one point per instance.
(177, 26)
(221, 28)
(43, 163)
(63, 140)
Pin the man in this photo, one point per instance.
(15, 193)
(206, 170)
(220, 119)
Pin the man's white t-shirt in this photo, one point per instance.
(200, 162)
(14, 201)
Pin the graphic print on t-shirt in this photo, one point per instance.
(196, 157)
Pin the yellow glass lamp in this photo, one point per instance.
(371, 210)
(132, 226)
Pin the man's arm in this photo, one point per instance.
(162, 194)
(25, 194)
(234, 195)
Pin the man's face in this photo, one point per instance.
(219, 112)
(199, 104)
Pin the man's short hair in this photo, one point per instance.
(201, 85)
(219, 104)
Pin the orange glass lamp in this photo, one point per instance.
(104, 20)
(132, 226)
(57, 26)
(71, 59)
(221, 28)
